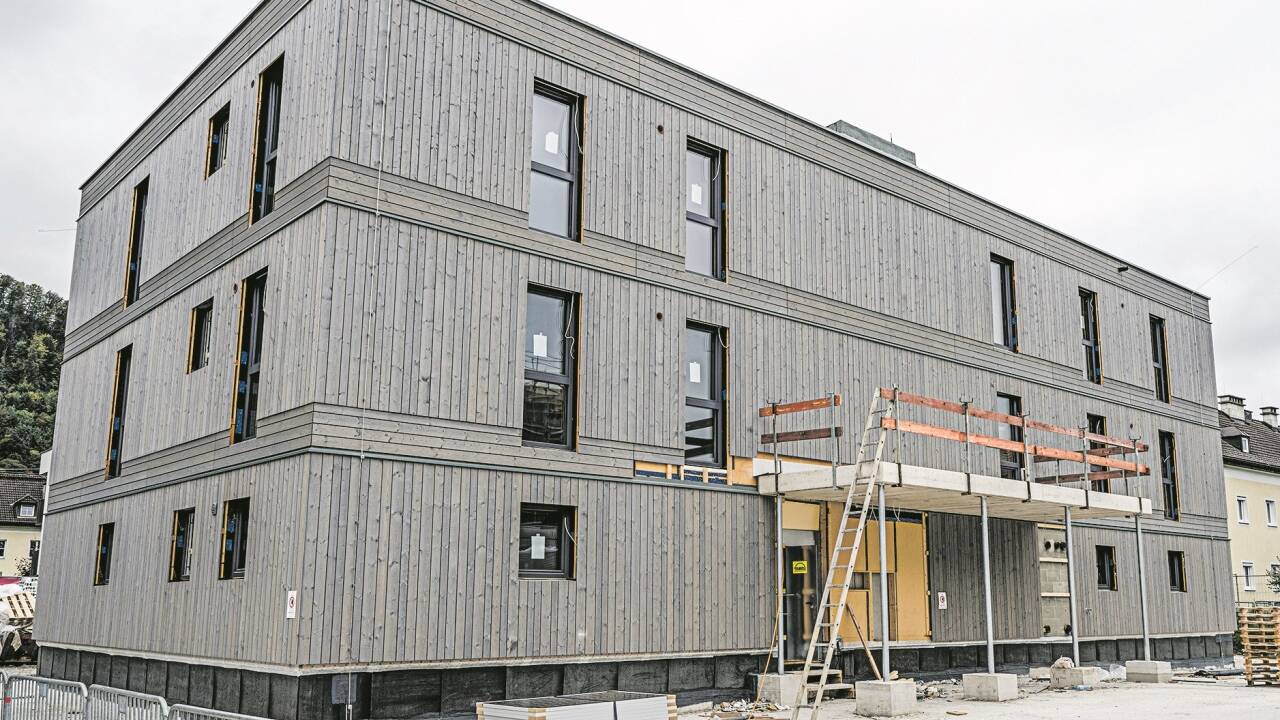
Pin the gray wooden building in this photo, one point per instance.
(413, 356)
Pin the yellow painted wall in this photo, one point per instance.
(1255, 542)
(16, 547)
(905, 553)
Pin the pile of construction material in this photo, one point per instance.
(17, 616)
(1260, 638)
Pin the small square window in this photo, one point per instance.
(547, 541)
(26, 510)
(219, 127)
(1107, 568)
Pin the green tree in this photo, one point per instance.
(32, 321)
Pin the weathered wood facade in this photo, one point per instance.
(388, 469)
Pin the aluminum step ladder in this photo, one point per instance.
(849, 539)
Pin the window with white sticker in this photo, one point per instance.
(704, 382)
(550, 368)
(704, 210)
(547, 541)
(555, 161)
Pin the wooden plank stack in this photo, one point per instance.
(1260, 638)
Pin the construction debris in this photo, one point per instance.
(745, 710)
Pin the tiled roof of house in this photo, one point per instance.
(16, 486)
(1264, 443)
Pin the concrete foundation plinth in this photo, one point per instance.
(990, 687)
(779, 689)
(1071, 677)
(885, 698)
(1148, 671)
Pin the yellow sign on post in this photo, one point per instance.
(799, 567)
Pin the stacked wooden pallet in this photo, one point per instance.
(1260, 637)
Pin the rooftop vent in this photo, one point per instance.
(1271, 416)
(872, 140)
(1232, 405)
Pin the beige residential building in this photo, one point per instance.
(21, 515)
(1251, 461)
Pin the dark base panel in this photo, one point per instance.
(403, 694)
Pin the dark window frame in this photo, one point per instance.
(1177, 563)
(716, 222)
(1107, 567)
(216, 146)
(103, 551)
(183, 531)
(1090, 336)
(137, 233)
(198, 342)
(569, 380)
(119, 408)
(233, 555)
(1012, 464)
(1160, 358)
(266, 140)
(1170, 491)
(247, 389)
(573, 176)
(1097, 424)
(718, 408)
(567, 555)
(1005, 297)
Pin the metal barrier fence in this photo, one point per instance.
(36, 698)
(186, 712)
(112, 704)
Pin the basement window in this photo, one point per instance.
(119, 400)
(704, 432)
(102, 561)
(546, 542)
(216, 153)
(556, 161)
(249, 361)
(704, 210)
(1089, 336)
(235, 539)
(201, 329)
(1107, 568)
(1004, 308)
(1177, 571)
(1011, 461)
(137, 230)
(266, 142)
(1169, 476)
(184, 523)
(550, 368)
(1160, 358)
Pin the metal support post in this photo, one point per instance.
(1142, 587)
(835, 442)
(968, 454)
(986, 587)
(884, 587)
(777, 512)
(1071, 589)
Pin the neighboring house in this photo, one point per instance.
(21, 515)
(1251, 464)
(428, 366)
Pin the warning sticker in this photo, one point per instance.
(799, 567)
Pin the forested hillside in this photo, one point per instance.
(31, 327)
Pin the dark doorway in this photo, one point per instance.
(801, 571)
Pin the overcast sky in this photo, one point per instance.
(1151, 130)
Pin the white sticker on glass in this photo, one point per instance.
(695, 193)
(552, 143)
(539, 345)
(695, 372)
(538, 547)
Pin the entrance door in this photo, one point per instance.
(800, 569)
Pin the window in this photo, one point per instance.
(216, 154)
(184, 525)
(550, 368)
(33, 552)
(1097, 425)
(546, 541)
(102, 562)
(704, 395)
(1160, 358)
(1004, 308)
(1089, 336)
(248, 372)
(1011, 461)
(1242, 509)
(1247, 574)
(266, 142)
(235, 539)
(1106, 567)
(1271, 512)
(3, 543)
(704, 210)
(1169, 475)
(1177, 571)
(137, 229)
(201, 329)
(119, 398)
(556, 162)
(26, 510)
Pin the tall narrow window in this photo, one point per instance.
(1247, 574)
(1004, 307)
(1270, 506)
(216, 154)
(201, 328)
(550, 366)
(1089, 336)
(33, 552)
(119, 401)
(1107, 568)
(235, 539)
(1097, 425)
(1169, 475)
(704, 210)
(546, 542)
(1177, 571)
(1242, 509)
(248, 373)
(184, 523)
(267, 140)
(1011, 461)
(1160, 358)
(556, 163)
(704, 391)
(137, 230)
(102, 559)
